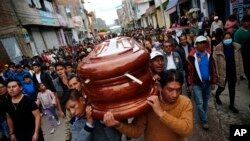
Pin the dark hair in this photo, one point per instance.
(60, 64)
(232, 17)
(15, 80)
(201, 32)
(26, 76)
(183, 35)
(39, 84)
(3, 83)
(74, 76)
(245, 18)
(74, 95)
(225, 33)
(68, 64)
(172, 75)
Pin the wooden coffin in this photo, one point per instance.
(117, 78)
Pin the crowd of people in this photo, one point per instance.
(191, 64)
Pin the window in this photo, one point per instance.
(34, 3)
(44, 5)
(68, 12)
(49, 6)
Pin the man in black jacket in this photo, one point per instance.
(42, 77)
(183, 50)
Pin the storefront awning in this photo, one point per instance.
(171, 7)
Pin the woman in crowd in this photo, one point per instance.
(229, 67)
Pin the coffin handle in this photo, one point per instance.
(133, 78)
(87, 81)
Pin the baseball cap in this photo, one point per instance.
(154, 54)
(200, 39)
(6, 65)
(216, 17)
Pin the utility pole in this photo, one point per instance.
(162, 13)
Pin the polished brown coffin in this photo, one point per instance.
(117, 78)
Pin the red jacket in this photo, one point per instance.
(194, 72)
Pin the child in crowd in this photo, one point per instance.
(29, 87)
(48, 101)
(82, 126)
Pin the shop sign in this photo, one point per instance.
(47, 18)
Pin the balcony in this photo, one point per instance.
(30, 14)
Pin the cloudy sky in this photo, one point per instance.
(105, 9)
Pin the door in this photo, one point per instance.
(12, 48)
(50, 38)
(39, 42)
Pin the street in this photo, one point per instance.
(220, 117)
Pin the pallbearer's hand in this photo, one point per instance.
(154, 102)
(89, 117)
(110, 121)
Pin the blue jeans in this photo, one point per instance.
(201, 96)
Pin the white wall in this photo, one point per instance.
(75, 35)
(204, 7)
(141, 9)
(158, 2)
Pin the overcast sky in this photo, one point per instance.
(105, 9)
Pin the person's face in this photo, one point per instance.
(51, 68)
(148, 45)
(227, 36)
(157, 64)
(200, 46)
(61, 59)
(183, 40)
(69, 69)
(74, 84)
(14, 89)
(161, 38)
(171, 91)
(191, 34)
(76, 107)
(168, 47)
(36, 69)
(246, 24)
(60, 70)
(3, 89)
(42, 87)
(27, 80)
(19, 69)
(165, 38)
(248, 12)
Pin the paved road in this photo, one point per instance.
(219, 118)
